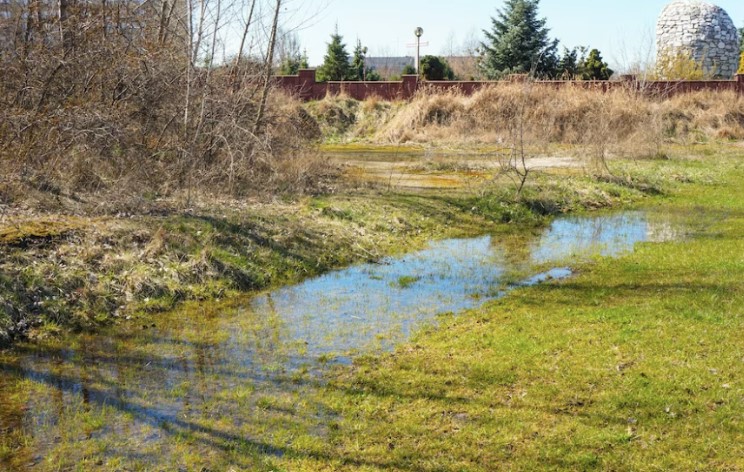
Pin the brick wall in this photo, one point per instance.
(305, 87)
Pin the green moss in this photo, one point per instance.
(38, 231)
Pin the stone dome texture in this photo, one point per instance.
(702, 30)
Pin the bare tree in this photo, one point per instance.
(268, 68)
(130, 94)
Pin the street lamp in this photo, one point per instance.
(418, 32)
(364, 64)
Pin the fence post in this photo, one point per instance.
(306, 84)
(740, 83)
(410, 86)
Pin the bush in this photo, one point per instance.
(680, 66)
(436, 68)
(127, 113)
(408, 70)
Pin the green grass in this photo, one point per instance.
(633, 364)
(406, 281)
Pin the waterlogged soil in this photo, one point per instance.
(422, 170)
(229, 384)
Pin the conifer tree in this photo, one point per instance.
(291, 57)
(358, 63)
(594, 68)
(568, 64)
(518, 42)
(291, 64)
(336, 61)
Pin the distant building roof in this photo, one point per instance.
(389, 63)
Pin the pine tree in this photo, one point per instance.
(594, 68)
(291, 59)
(358, 66)
(292, 64)
(336, 61)
(518, 42)
(568, 64)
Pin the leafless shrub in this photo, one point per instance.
(127, 97)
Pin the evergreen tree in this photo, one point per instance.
(518, 42)
(594, 68)
(291, 58)
(568, 64)
(436, 68)
(292, 64)
(336, 61)
(358, 66)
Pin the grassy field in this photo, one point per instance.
(633, 364)
(60, 271)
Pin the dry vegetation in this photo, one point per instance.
(620, 122)
(126, 102)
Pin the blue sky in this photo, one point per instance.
(623, 29)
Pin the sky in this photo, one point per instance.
(623, 30)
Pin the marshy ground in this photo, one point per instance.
(409, 167)
(633, 362)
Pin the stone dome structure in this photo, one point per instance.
(702, 30)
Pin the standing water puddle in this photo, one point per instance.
(233, 382)
(375, 306)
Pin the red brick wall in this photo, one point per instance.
(306, 88)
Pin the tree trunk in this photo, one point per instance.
(65, 31)
(268, 66)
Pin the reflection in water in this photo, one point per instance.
(232, 382)
(576, 237)
(376, 306)
(351, 309)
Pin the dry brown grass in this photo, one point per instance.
(340, 117)
(618, 122)
(704, 114)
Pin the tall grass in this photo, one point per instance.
(619, 122)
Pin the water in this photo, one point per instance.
(218, 378)
(375, 306)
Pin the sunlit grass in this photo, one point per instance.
(634, 363)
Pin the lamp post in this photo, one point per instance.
(364, 64)
(418, 32)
